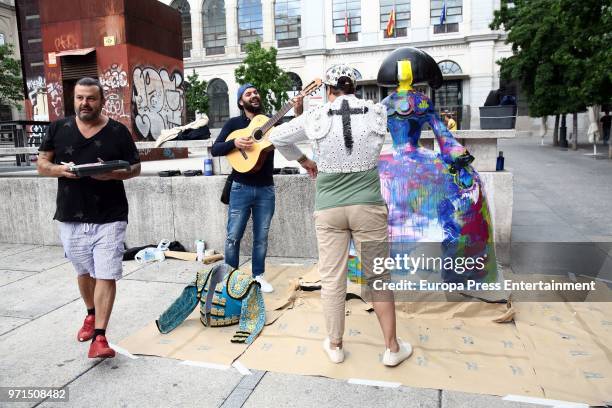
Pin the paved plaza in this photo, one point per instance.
(558, 194)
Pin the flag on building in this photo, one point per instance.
(346, 26)
(391, 24)
(443, 13)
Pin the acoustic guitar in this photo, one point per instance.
(249, 161)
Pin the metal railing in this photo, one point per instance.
(18, 134)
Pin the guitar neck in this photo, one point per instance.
(276, 117)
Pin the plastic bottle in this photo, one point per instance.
(208, 166)
(199, 250)
(499, 166)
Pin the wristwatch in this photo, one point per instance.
(302, 159)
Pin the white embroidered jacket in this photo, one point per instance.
(325, 126)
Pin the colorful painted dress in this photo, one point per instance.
(435, 196)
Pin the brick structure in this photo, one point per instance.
(133, 47)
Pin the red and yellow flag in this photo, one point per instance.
(391, 24)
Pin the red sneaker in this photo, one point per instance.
(100, 349)
(87, 331)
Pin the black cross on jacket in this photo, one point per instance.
(345, 111)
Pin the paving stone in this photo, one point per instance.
(149, 382)
(280, 390)
(453, 399)
(45, 352)
(9, 323)
(7, 276)
(35, 260)
(7, 249)
(39, 293)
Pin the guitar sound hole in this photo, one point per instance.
(257, 134)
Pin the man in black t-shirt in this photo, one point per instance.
(250, 192)
(92, 211)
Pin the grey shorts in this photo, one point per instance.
(95, 249)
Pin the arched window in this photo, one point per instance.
(250, 22)
(449, 96)
(449, 67)
(213, 26)
(287, 22)
(295, 88)
(183, 7)
(296, 82)
(218, 111)
(398, 26)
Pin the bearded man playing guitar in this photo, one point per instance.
(252, 192)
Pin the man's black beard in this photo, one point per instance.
(89, 116)
(250, 108)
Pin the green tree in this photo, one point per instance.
(11, 84)
(586, 49)
(259, 68)
(561, 54)
(532, 31)
(196, 95)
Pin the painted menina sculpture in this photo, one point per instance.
(432, 196)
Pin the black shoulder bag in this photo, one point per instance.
(227, 189)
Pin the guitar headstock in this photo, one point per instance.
(312, 87)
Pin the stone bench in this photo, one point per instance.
(188, 208)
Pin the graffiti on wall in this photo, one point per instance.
(38, 98)
(36, 134)
(66, 42)
(114, 107)
(114, 80)
(55, 94)
(158, 100)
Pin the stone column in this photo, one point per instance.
(482, 77)
(196, 29)
(480, 15)
(370, 23)
(267, 11)
(420, 27)
(313, 25)
(232, 49)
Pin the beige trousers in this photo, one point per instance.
(335, 227)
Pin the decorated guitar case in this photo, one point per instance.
(226, 296)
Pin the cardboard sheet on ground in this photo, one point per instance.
(457, 354)
(192, 341)
(551, 350)
(570, 349)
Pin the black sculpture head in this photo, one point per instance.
(422, 67)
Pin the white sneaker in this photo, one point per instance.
(265, 286)
(392, 359)
(336, 355)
